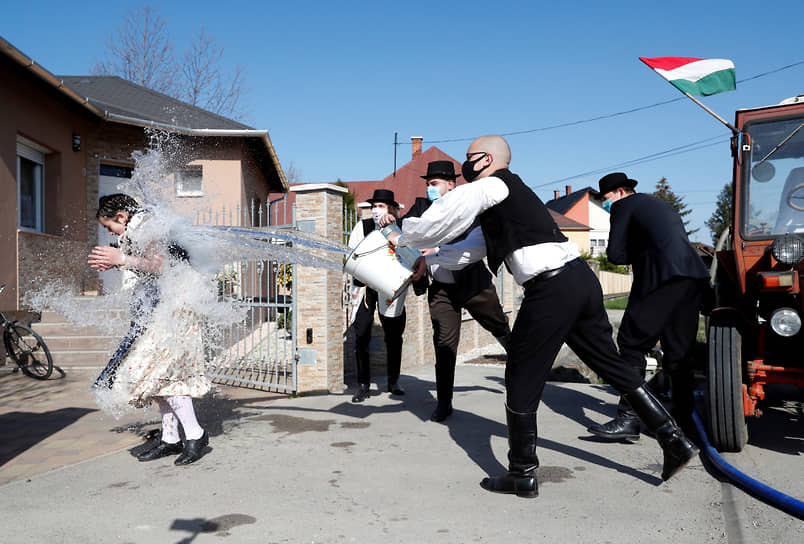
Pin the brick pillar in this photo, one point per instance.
(318, 293)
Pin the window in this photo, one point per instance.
(189, 181)
(30, 186)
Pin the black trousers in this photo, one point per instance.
(669, 314)
(445, 314)
(392, 327)
(565, 308)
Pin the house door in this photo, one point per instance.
(111, 177)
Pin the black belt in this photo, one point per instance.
(550, 273)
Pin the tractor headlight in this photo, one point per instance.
(788, 249)
(785, 322)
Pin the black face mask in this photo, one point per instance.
(468, 169)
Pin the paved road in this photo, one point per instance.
(321, 469)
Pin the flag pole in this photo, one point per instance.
(716, 116)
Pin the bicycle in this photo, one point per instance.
(26, 348)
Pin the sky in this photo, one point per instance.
(333, 82)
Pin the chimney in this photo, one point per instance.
(556, 195)
(568, 188)
(416, 144)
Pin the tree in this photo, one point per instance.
(141, 50)
(203, 82)
(664, 192)
(721, 218)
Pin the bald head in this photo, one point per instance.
(499, 154)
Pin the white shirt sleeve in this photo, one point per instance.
(456, 256)
(452, 214)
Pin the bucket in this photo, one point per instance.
(386, 270)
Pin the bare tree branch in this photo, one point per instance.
(141, 50)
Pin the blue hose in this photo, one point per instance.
(775, 498)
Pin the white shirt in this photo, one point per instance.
(455, 256)
(455, 212)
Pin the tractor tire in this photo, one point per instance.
(724, 394)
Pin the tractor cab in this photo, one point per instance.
(754, 331)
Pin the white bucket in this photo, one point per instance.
(388, 271)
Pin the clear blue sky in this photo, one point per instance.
(333, 81)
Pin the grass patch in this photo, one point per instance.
(616, 303)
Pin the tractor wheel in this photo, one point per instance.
(724, 398)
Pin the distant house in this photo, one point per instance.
(66, 140)
(583, 208)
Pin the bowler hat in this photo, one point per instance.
(383, 195)
(440, 169)
(609, 182)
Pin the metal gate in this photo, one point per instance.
(260, 352)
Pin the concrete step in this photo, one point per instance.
(53, 317)
(80, 343)
(48, 330)
(88, 358)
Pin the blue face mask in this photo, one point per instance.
(607, 205)
(433, 193)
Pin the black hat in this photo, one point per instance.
(609, 182)
(383, 195)
(441, 169)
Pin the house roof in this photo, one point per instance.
(565, 223)
(565, 203)
(114, 94)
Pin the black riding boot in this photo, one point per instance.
(625, 426)
(677, 448)
(683, 397)
(445, 380)
(522, 460)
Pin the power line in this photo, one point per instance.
(686, 148)
(607, 116)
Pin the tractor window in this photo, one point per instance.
(775, 184)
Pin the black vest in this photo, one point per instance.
(519, 221)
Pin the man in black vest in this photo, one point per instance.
(669, 282)
(366, 301)
(451, 290)
(563, 302)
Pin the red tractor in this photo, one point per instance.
(754, 334)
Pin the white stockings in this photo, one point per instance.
(177, 410)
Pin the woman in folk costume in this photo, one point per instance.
(161, 359)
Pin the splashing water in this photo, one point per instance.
(182, 290)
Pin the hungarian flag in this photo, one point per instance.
(700, 77)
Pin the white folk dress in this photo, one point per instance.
(165, 357)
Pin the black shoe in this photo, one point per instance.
(394, 389)
(619, 428)
(523, 484)
(193, 450)
(625, 426)
(441, 413)
(363, 391)
(520, 479)
(677, 448)
(163, 449)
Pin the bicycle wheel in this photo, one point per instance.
(28, 350)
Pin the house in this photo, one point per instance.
(66, 140)
(582, 207)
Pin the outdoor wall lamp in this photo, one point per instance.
(76, 142)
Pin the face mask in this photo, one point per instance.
(468, 169)
(607, 205)
(433, 193)
(376, 213)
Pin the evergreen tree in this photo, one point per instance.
(722, 216)
(664, 192)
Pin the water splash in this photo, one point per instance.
(211, 249)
